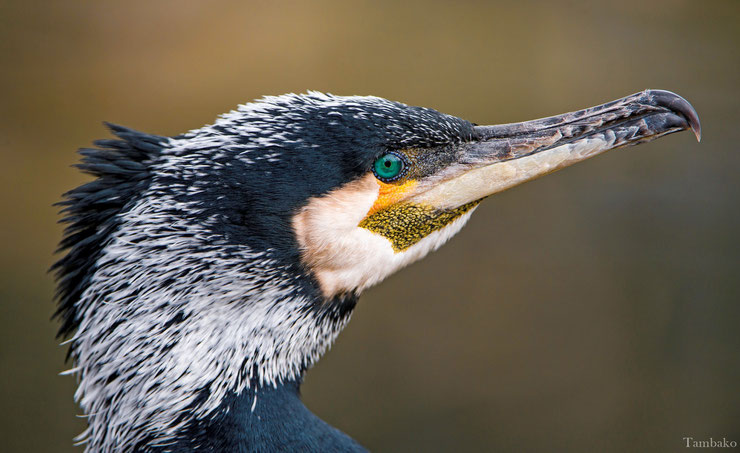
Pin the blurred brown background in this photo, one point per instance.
(595, 309)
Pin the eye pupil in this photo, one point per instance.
(389, 167)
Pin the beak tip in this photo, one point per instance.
(693, 119)
(679, 105)
(695, 126)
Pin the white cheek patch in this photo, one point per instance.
(345, 257)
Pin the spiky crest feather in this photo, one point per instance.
(121, 172)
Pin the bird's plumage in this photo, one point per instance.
(206, 272)
(183, 282)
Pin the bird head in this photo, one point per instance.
(231, 256)
(363, 186)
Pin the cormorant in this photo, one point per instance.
(205, 273)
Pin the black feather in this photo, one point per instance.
(122, 173)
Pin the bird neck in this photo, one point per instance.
(196, 327)
(263, 418)
(183, 318)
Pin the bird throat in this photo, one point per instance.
(349, 246)
(406, 224)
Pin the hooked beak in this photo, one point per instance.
(506, 155)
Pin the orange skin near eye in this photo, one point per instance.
(389, 194)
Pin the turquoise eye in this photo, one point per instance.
(389, 167)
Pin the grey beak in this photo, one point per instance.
(628, 121)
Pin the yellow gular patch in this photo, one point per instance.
(390, 194)
(406, 224)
